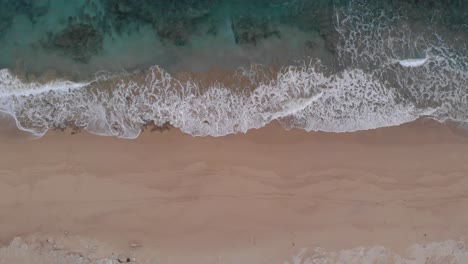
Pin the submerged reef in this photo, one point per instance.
(173, 21)
(78, 41)
(79, 34)
(251, 29)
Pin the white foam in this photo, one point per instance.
(411, 63)
(370, 92)
(10, 85)
(302, 97)
(353, 101)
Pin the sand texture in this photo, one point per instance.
(263, 197)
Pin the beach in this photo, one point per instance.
(233, 131)
(260, 197)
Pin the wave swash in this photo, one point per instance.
(386, 75)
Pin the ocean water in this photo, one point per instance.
(217, 67)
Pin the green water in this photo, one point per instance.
(84, 36)
(343, 65)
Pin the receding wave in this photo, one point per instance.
(385, 74)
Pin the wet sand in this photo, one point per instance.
(259, 197)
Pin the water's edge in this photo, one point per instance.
(384, 73)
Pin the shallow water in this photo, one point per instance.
(113, 66)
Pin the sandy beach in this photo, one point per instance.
(260, 197)
(185, 132)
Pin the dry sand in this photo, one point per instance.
(259, 197)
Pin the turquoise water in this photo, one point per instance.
(112, 66)
(86, 36)
(89, 35)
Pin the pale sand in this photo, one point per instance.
(258, 197)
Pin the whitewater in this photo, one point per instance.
(377, 82)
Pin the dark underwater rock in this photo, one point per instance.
(11, 8)
(174, 21)
(177, 32)
(78, 41)
(251, 30)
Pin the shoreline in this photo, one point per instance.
(255, 197)
(226, 132)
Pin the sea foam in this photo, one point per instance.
(412, 62)
(366, 91)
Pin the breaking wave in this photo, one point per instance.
(386, 74)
